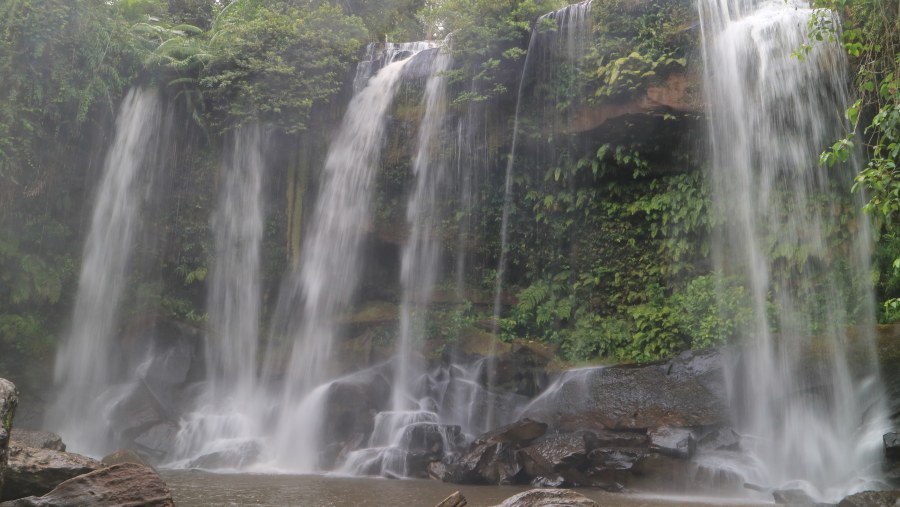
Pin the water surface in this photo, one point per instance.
(192, 488)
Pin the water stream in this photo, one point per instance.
(811, 412)
(331, 263)
(88, 365)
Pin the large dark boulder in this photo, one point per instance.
(548, 498)
(564, 455)
(686, 391)
(493, 457)
(872, 499)
(34, 471)
(487, 463)
(124, 485)
(39, 439)
(9, 398)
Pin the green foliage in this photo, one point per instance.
(61, 60)
(487, 40)
(637, 44)
(273, 65)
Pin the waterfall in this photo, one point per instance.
(810, 409)
(420, 261)
(223, 419)
(420, 266)
(86, 359)
(331, 262)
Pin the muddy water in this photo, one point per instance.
(202, 489)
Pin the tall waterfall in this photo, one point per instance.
(223, 418)
(420, 261)
(809, 407)
(331, 262)
(86, 360)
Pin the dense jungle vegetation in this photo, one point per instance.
(609, 237)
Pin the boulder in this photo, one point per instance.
(34, 471)
(454, 500)
(719, 439)
(563, 454)
(126, 484)
(493, 457)
(686, 391)
(123, 456)
(872, 499)
(487, 463)
(675, 442)
(793, 498)
(39, 439)
(892, 446)
(548, 498)
(9, 398)
(519, 432)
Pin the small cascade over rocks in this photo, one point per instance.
(811, 412)
(89, 371)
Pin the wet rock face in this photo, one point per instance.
(127, 484)
(34, 471)
(9, 398)
(686, 391)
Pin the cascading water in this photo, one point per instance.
(224, 416)
(810, 406)
(331, 262)
(420, 263)
(85, 360)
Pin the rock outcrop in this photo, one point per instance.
(684, 392)
(33, 471)
(127, 484)
(39, 439)
(9, 398)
